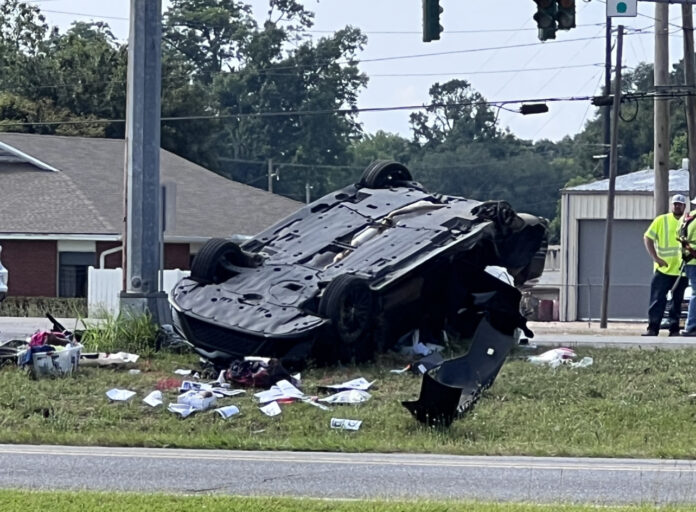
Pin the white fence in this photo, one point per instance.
(105, 285)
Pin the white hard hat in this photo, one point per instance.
(679, 198)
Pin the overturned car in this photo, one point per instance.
(350, 273)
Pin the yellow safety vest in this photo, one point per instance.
(663, 231)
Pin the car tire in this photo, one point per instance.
(349, 303)
(211, 264)
(384, 174)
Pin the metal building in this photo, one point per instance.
(583, 224)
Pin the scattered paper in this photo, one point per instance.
(181, 409)
(282, 390)
(228, 411)
(353, 396)
(134, 371)
(359, 384)
(182, 372)
(272, 409)
(258, 358)
(120, 395)
(345, 424)
(153, 399)
(199, 400)
(189, 385)
(221, 392)
(313, 401)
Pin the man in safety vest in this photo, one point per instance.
(665, 250)
(687, 237)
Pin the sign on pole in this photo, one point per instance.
(622, 8)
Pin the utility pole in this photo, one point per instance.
(270, 175)
(613, 165)
(142, 182)
(690, 82)
(661, 120)
(607, 93)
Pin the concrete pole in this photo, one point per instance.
(143, 212)
(690, 82)
(613, 155)
(661, 122)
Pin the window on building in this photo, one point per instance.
(72, 273)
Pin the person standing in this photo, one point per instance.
(687, 237)
(664, 248)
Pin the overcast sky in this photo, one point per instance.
(491, 43)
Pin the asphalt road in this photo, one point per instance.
(349, 476)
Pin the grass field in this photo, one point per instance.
(27, 501)
(629, 403)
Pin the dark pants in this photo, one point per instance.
(659, 286)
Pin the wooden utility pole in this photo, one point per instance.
(270, 175)
(613, 154)
(661, 122)
(607, 92)
(690, 82)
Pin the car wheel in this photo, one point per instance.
(384, 174)
(212, 263)
(349, 303)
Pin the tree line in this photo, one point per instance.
(237, 92)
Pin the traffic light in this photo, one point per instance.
(565, 15)
(431, 20)
(546, 19)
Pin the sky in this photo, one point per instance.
(492, 44)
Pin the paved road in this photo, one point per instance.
(339, 475)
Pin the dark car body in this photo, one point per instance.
(350, 273)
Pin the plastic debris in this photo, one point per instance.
(181, 371)
(583, 363)
(554, 357)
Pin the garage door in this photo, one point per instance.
(631, 270)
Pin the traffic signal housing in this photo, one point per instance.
(565, 14)
(431, 20)
(546, 19)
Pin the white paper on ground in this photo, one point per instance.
(189, 385)
(227, 392)
(182, 372)
(360, 384)
(583, 363)
(312, 401)
(352, 396)
(153, 399)
(120, 395)
(345, 424)
(181, 409)
(281, 390)
(272, 409)
(228, 411)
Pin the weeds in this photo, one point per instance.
(126, 332)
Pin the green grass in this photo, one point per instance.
(29, 501)
(630, 403)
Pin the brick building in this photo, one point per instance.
(62, 210)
